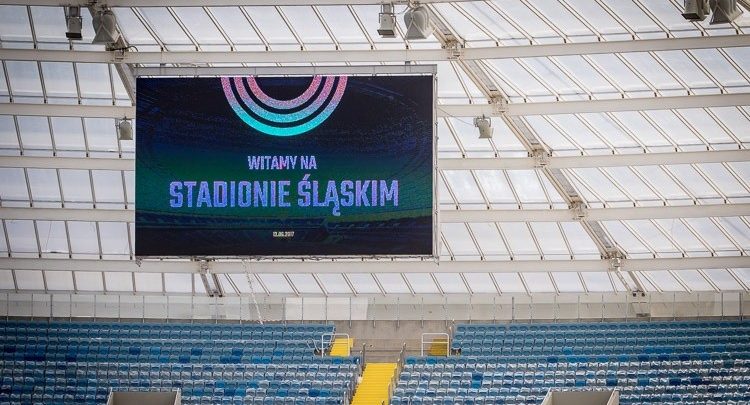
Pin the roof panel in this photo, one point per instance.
(21, 236)
(132, 28)
(567, 282)
(89, 281)
(451, 283)
(8, 135)
(524, 18)
(459, 240)
(519, 238)
(480, 283)
(53, 237)
(509, 282)
(538, 282)
(695, 280)
(421, 283)
(709, 232)
(14, 24)
(305, 283)
(307, 25)
(161, 21)
(723, 279)
(178, 283)
(86, 241)
(35, 133)
(147, 282)
(14, 185)
(275, 283)
(44, 185)
(30, 280)
(597, 282)
(6, 280)
(59, 280)
(363, 283)
(334, 283)
(489, 239)
(120, 282)
(487, 15)
(550, 240)
(272, 27)
(199, 25)
(393, 283)
(49, 22)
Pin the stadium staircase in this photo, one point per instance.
(341, 347)
(375, 384)
(79, 362)
(675, 362)
(439, 347)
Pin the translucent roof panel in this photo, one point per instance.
(602, 104)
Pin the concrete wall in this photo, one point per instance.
(579, 398)
(143, 398)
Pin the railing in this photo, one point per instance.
(332, 337)
(434, 341)
(509, 307)
(615, 398)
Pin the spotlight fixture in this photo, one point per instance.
(73, 22)
(696, 10)
(105, 27)
(724, 11)
(417, 21)
(387, 21)
(485, 127)
(124, 129)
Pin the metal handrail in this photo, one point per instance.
(333, 336)
(447, 342)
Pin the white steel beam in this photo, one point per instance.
(68, 110)
(59, 162)
(553, 162)
(443, 110)
(574, 162)
(446, 216)
(374, 56)
(374, 266)
(210, 3)
(596, 214)
(594, 106)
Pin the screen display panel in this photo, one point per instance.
(285, 166)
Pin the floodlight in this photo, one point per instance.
(696, 10)
(387, 21)
(105, 27)
(73, 22)
(724, 11)
(485, 127)
(417, 20)
(124, 130)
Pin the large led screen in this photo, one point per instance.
(285, 166)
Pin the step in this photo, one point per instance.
(373, 388)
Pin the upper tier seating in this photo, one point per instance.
(649, 362)
(78, 362)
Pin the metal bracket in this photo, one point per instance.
(455, 49)
(579, 210)
(499, 105)
(541, 158)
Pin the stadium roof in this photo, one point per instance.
(619, 160)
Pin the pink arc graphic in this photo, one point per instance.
(304, 120)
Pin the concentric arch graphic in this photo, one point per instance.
(284, 117)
